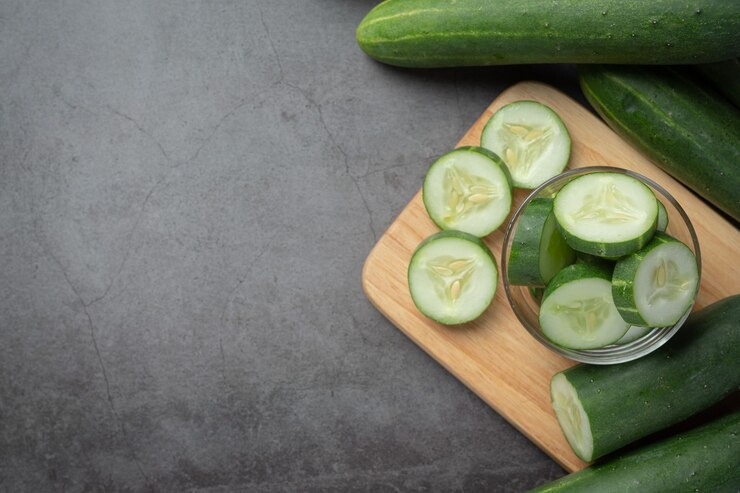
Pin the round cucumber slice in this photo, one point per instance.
(452, 277)
(577, 310)
(468, 189)
(657, 285)
(538, 250)
(607, 214)
(532, 140)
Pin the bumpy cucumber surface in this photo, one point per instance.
(444, 33)
(724, 76)
(603, 408)
(691, 133)
(704, 458)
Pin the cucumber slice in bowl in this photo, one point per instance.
(468, 189)
(452, 277)
(656, 285)
(539, 250)
(606, 214)
(532, 140)
(577, 310)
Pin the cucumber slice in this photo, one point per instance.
(452, 277)
(468, 189)
(607, 214)
(656, 285)
(634, 333)
(538, 250)
(577, 309)
(532, 140)
(662, 217)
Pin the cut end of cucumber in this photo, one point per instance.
(572, 417)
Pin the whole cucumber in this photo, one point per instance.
(446, 33)
(690, 132)
(705, 458)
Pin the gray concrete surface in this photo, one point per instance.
(188, 191)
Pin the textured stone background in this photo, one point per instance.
(188, 190)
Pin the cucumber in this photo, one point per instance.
(468, 189)
(452, 277)
(656, 286)
(704, 458)
(532, 140)
(603, 408)
(662, 217)
(607, 214)
(577, 310)
(691, 133)
(634, 333)
(538, 250)
(724, 76)
(445, 33)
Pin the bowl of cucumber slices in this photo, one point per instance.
(601, 265)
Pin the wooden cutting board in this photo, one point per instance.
(494, 356)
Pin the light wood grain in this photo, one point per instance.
(494, 356)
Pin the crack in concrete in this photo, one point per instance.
(104, 371)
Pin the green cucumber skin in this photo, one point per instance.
(724, 76)
(523, 266)
(623, 291)
(691, 133)
(447, 33)
(698, 367)
(704, 458)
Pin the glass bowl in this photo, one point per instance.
(526, 307)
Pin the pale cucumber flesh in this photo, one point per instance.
(468, 189)
(531, 139)
(580, 314)
(452, 277)
(606, 214)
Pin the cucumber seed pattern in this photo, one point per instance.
(524, 144)
(608, 205)
(667, 282)
(450, 275)
(586, 315)
(466, 193)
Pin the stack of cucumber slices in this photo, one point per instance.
(599, 251)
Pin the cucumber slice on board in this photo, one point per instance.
(656, 285)
(577, 310)
(607, 214)
(452, 277)
(538, 250)
(468, 189)
(532, 140)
